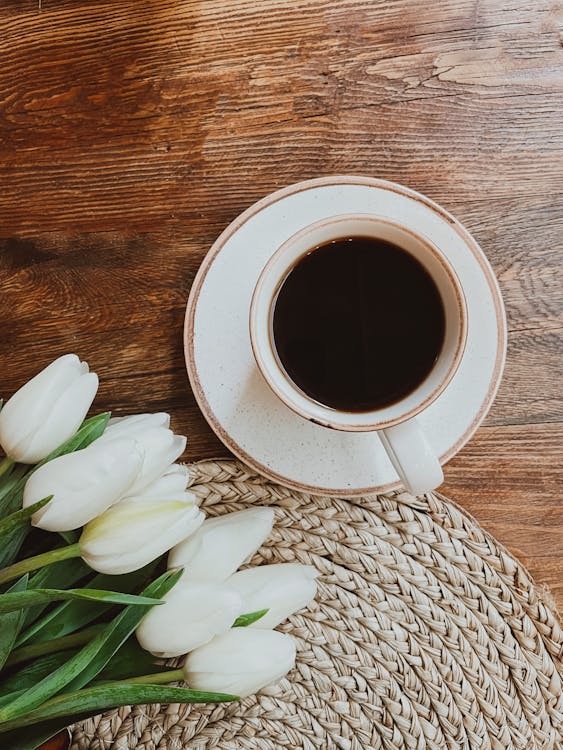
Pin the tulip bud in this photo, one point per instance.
(240, 661)
(281, 589)
(161, 446)
(173, 482)
(217, 549)
(136, 531)
(47, 410)
(192, 614)
(83, 484)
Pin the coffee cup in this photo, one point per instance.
(396, 424)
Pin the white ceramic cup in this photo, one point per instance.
(407, 447)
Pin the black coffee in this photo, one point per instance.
(358, 324)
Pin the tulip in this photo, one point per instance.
(161, 446)
(173, 481)
(47, 410)
(217, 549)
(192, 614)
(137, 530)
(240, 661)
(281, 589)
(83, 484)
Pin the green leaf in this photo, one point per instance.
(244, 620)
(102, 697)
(21, 517)
(73, 615)
(6, 467)
(32, 672)
(6, 698)
(14, 539)
(68, 642)
(10, 624)
(12, 499)
(11, 545)
(60, 575)
(131, 661)
(16, 474)
(10, 602)
(92, 658)
(119, 630)
(91, 429)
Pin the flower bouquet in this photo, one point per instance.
(89, 607)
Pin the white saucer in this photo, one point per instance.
(246, 415)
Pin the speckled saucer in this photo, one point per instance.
(238, 404)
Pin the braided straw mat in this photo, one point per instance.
(426, 633)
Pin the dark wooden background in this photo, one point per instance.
(132, 132)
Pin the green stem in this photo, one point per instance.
(66, 642)
(6, 465)
(38, 561)
(160, 678)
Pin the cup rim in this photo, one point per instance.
(283, 395)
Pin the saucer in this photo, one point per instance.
(235, 399)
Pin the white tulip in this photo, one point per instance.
(192, 614)
(47, 410)
(281, 589)
(137, 530)
(222, 544)
(161, 446)
(173, 481)
(83, 484)
(240, 661)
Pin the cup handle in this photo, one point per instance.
(412, 457)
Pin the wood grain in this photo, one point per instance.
(131, 133)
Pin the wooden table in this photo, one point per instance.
(133, 131)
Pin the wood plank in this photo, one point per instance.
(510, 479)
(142, 177)
(521, 236)
(169, 100)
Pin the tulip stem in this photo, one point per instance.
(159, 678)
(6, 465)
(38, 561)
(66, 642)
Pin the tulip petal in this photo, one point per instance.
(222, 544)
(185, 497)
(173, 482)
(162, 448)
(132, 534)
(192, 614)
(28, 410)
(38, 392)
(283, 589)
(83, 484)
(129, 426)
(160, 444)
(240, 660)
(64, 418)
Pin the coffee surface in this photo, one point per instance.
(358, 324)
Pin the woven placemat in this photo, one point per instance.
(426, 633)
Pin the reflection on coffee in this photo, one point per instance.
(358, 324)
